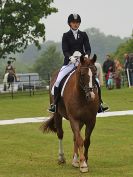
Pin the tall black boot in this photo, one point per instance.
(53, 107)
(101, 108)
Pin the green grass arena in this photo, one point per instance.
(26, 152)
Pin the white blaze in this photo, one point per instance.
(90, 74)
(90, 84)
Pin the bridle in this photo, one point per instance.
(86, 87)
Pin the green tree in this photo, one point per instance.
(50, 60)
(127, 47)
(21, 24)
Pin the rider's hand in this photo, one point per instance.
(77, 54)
(73, 59)
(86, 56)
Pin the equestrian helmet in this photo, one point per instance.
(9, 62)
(74, 17)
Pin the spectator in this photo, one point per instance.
(126, 61)
(99, 79)
(128, 66)
(106, 65)
(118, 72)
(99, 73)
(109, 78)
(130, 69)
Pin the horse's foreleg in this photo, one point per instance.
(88, 131)
(75, 161)
(79, 144)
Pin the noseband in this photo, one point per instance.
(86, 87)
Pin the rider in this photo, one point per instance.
(74, 43)
(10, 69)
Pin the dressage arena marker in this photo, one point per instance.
(41, 119)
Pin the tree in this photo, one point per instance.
(127, 47)
(48, 62)
(21, 24)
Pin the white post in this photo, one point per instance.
(128, 77)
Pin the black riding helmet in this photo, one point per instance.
(74, 17)
(9, 62)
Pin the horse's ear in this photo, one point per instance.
(82, 59)
(94, 58)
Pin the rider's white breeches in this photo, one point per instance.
(63, 72)
(5, 78)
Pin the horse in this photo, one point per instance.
(8, 81)
(79, 104)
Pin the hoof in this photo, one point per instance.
(61, 161)
(84, 169)
(75, 164)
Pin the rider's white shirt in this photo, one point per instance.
(75, 33)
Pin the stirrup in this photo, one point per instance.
(103, 109)
(52, 108)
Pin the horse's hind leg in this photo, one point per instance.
(89, 128)
(58, 123)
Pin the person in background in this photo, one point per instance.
(118, 73)
(126, 63)
(9, 70)
(110, 76)
(99, 83)
(99, 73)
(130, 68)
(106, 65)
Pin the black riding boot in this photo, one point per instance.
(101, 108)
(53, 107)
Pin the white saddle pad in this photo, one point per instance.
(62, 90)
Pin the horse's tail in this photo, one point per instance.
(49, 125)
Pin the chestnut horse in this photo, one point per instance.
(79, 104)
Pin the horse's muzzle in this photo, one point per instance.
(90, 96)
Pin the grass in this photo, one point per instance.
(118, 99)
(24, 106)
(26, 152)
(37, 105)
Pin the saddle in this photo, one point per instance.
(63, 83)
